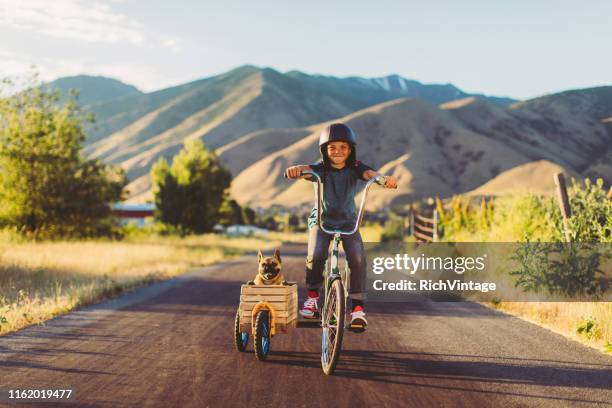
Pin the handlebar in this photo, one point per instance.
(319, 197)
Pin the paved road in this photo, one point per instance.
(171, 345)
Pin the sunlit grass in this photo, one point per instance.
(39, 280)
(567, 318)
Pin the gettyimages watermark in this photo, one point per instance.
(542, 272)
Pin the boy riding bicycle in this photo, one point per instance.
(339, 171)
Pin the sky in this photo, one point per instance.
(519, 49)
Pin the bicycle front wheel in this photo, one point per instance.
(332, 322)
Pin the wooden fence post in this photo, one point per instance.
(436, 221)
(563, 203)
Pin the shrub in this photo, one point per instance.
(559, 268)
(591, 219)
(393, 230)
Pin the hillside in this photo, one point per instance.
(534, 177)
(93, 89)
(429, 152)
(568, 128)
(456, 148)
(135, 130)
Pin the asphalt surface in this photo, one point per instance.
(171, 344)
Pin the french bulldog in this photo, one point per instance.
(269, 271)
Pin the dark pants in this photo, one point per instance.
(318, 248)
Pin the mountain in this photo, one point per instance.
(568, 128)
(136, 130)
(430, 152)
(93, 89)
(467, 145)
(437, 139)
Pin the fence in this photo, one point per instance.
(424, 229)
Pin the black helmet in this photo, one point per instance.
(338, 132)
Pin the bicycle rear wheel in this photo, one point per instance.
(241, 339)
(332, 322)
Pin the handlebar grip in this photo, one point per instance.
(287, 176)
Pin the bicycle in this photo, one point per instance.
(337, 284)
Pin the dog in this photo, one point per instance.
(269, 271)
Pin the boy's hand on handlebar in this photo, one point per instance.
(295, 172)
(390, 182)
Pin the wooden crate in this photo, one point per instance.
(283, 298)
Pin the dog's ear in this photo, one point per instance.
(259, 256)
(277, 255)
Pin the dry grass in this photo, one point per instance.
(567, 318)
(41, 280)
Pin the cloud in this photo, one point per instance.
(171, 42)
(79, 20)
(144, 76)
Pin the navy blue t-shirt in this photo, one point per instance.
(339, 190)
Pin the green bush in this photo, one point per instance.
(591, 219)
(559, 268)
(589, 328)
(393, 230)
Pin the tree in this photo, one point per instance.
(47, 189)
(270, 223)
(188, 194)
(293, 222)
(230, 213)
(249, 216)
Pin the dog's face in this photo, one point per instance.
(269, 267)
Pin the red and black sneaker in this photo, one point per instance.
(358, 321)
(310, 309)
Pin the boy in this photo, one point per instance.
(339, 171)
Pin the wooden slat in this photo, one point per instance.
(274, 303)
(424, 228)
(279, 314)
(279, 320)
(267, 298)
(281, 324)
(278, 290)
(280, 327)
(278, 306)
(424, 219)
(422, 236)
(270, 299)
